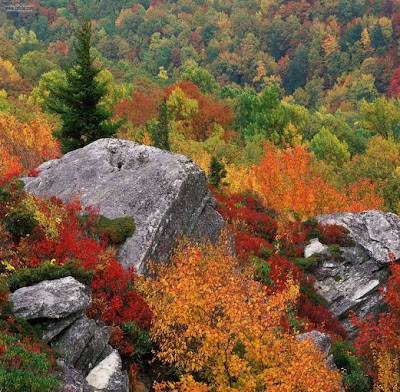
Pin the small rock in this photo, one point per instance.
(108, 375)
(53, 299)
(315, 247)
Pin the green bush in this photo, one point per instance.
(140, 339)
(20, 222)
(23, 368)
(116, 230)
(48, 271)
(263, 271)
(354, 379)
(306, 264)
(5, 305)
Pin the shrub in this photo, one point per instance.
(140, 339)
(354, 379)
(5, 305)
(49, 271)
(115, 230)
(263, 271)
(20, 222)
(23, 366)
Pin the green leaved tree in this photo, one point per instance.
(83, 119)
(159, 130)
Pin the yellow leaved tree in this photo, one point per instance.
(217, 325)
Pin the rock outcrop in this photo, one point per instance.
(350, 280)
(166, 194)
(323, 342)
(57, 308)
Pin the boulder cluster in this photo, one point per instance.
(58, 307)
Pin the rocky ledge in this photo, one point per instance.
(166, 194)
(57, 307)
(350, 278)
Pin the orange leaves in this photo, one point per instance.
(208, 114)
(10, 167)
(30, 142)
(286, 182)
(217, 324)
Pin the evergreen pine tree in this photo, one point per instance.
(217, 172)
(378, 40)
(298, 70)
(78, 101)
(159, 131)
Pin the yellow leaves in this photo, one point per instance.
(212, 319)
(50, 220)
(162, 73)
(330, 45)
(388, 379)
(7, 265)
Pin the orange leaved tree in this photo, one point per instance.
(218, 326)
(31, 142)
(285, 180)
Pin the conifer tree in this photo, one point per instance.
(160, 130)
(217, 172)
(77, 102)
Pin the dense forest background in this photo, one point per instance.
(319, 76)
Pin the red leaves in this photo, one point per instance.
(394, 88)
(381, 334)
(10, 167)
(115, 300)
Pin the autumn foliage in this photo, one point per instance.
(30, 142)
(225, 335)
(34, 231)
(286, 181)
(378, 340)
(208, 112)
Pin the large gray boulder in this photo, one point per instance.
(351, 280)
(166, 194)
(53, 299)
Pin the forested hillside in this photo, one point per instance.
(291, 108)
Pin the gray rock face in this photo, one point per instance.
(51, 328)
(166, 194)
(95, 347)
(351, 281)
(57, 307)
(52, 299)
